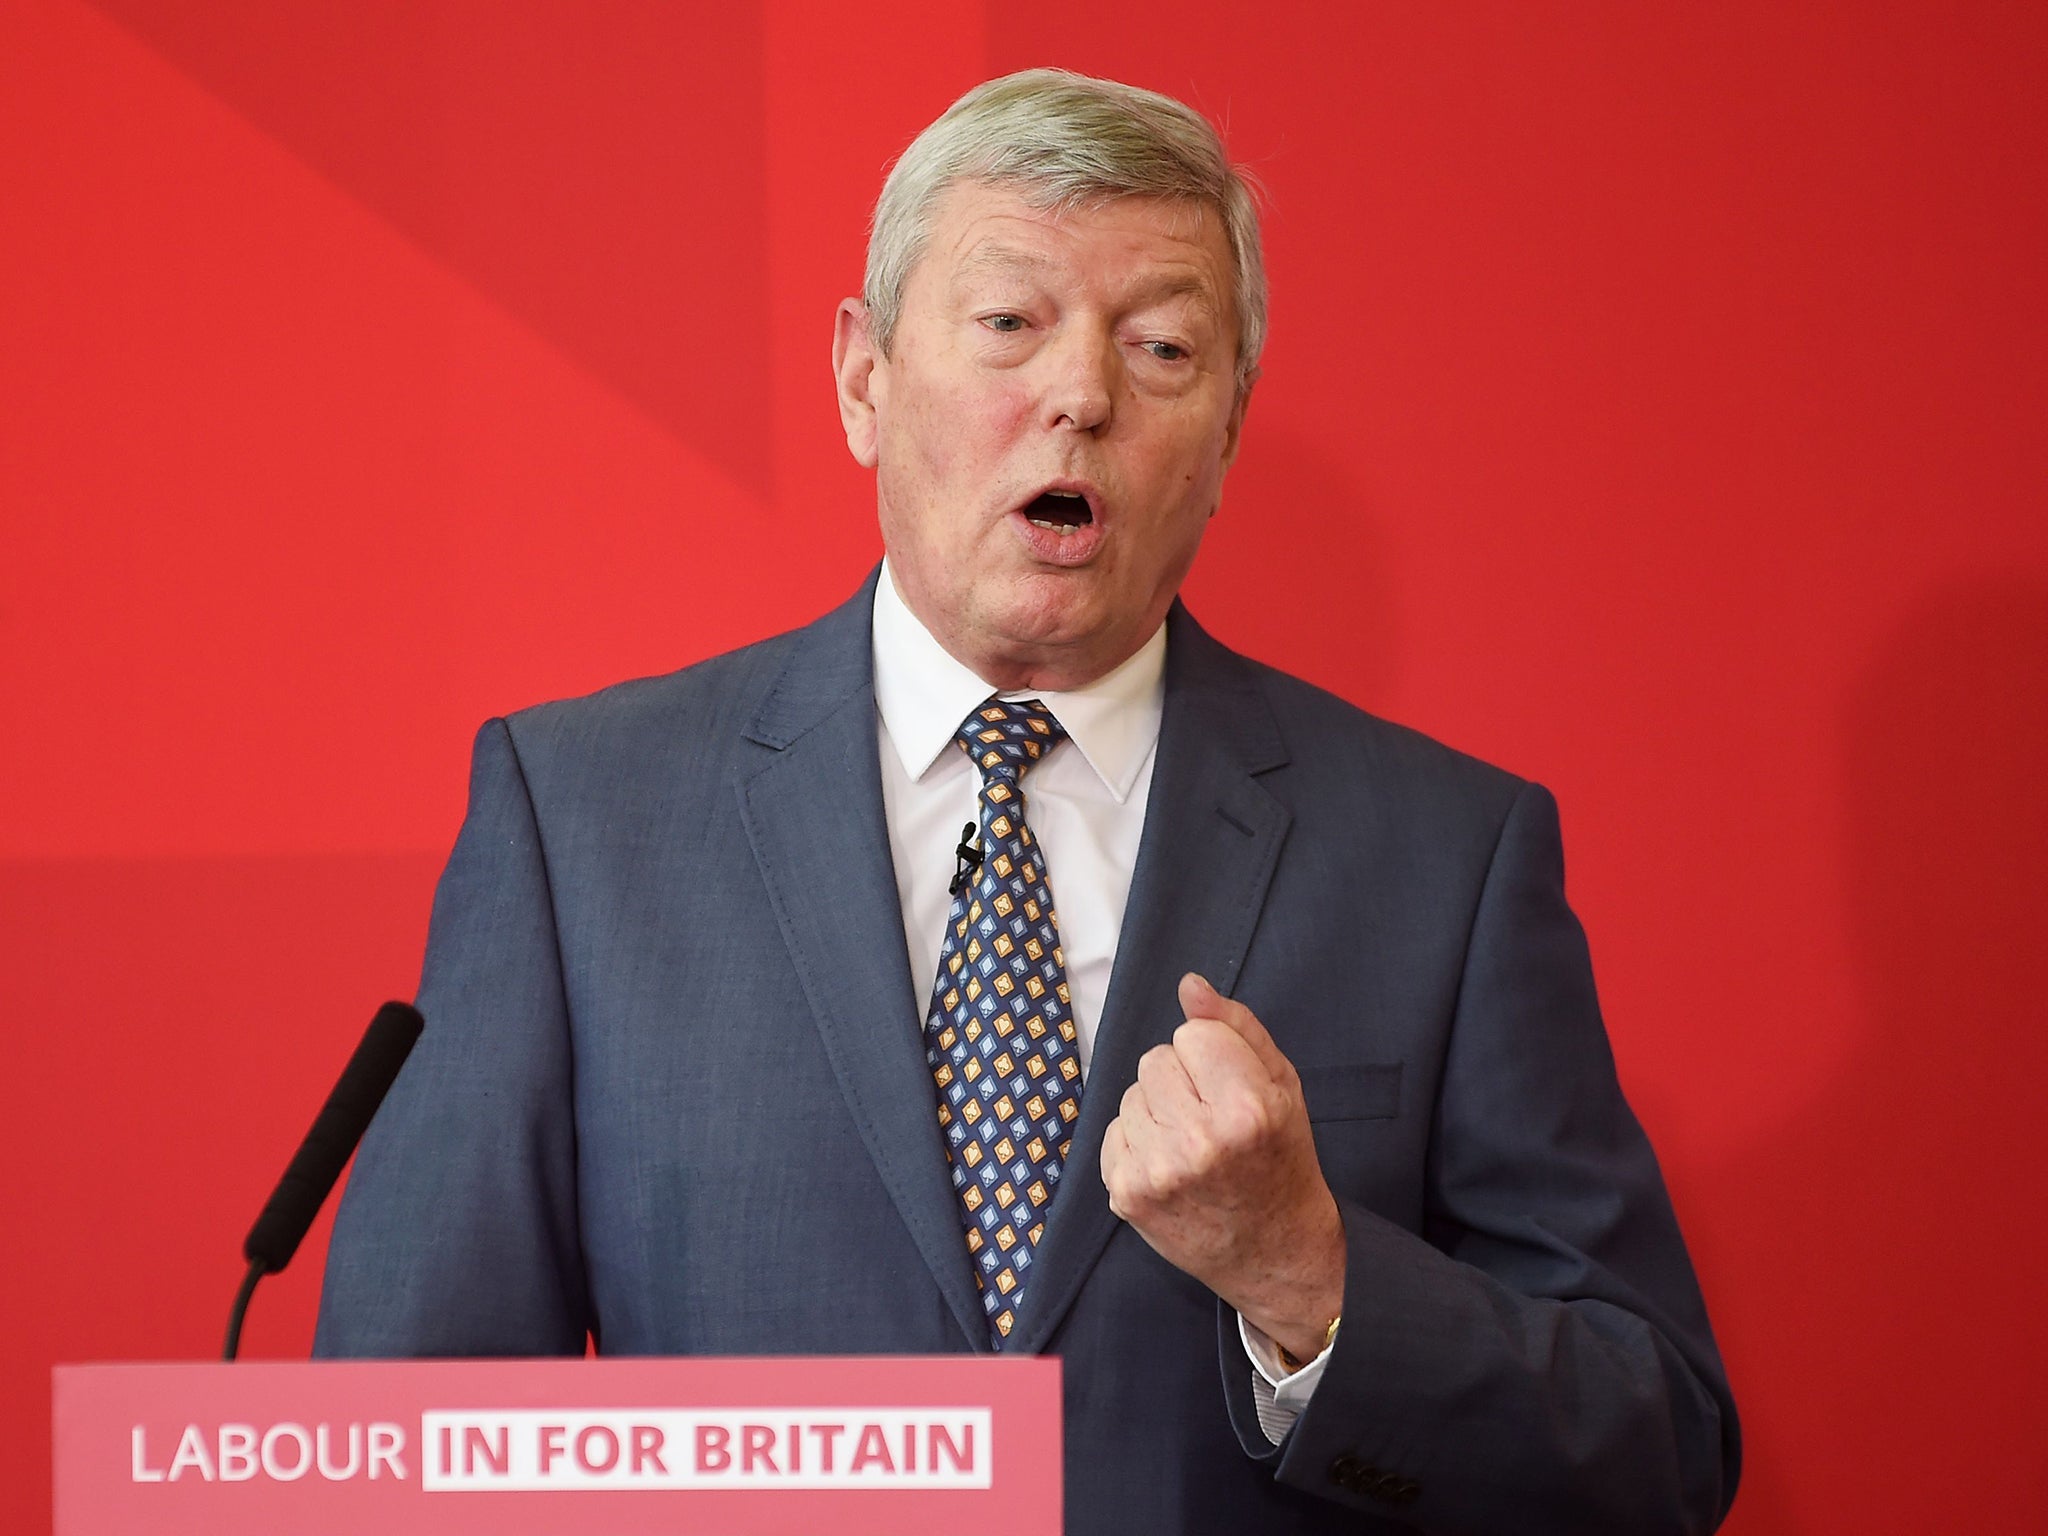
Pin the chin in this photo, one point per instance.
(1045, 615)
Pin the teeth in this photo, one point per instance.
(1059, 528)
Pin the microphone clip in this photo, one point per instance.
(966, 861)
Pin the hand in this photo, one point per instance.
(1210, 1159)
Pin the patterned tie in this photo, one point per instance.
(1000, 1035)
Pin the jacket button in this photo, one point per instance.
(1362, 1477)
(1358, 1476)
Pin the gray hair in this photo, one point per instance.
(1064, 140)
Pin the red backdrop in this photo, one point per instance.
(1655, 406)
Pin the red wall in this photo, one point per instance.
(1655, 405)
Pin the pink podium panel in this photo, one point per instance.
(770, 1447)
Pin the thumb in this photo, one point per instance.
(1199, 999)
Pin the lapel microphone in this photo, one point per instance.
(966, 860)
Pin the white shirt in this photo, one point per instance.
(1086, 805)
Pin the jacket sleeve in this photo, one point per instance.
(457, 1234)
(1538, 1359)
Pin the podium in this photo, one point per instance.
(859, 1445)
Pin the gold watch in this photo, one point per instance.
(1329, 1337)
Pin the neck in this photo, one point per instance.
(1013, 667)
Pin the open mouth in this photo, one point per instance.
(1059, 511)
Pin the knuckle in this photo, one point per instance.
(1264, 1114)
(1166, 1187)
(1127, 1182)
(1284, 1108)
(1131, 1200)
(1243, 1121)
(1119, 1201)
(1155, 1067)
(1204, 1156)
(1254, 1123)
(1239, 1133)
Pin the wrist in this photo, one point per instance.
(1301, 1295)
(1301, 1302)
(1293, 1362)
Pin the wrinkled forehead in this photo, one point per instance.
(1162, 247)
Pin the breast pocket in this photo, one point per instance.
(1367, 1091)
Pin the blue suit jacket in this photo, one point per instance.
(673, 1093)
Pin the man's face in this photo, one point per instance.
(1051, 425)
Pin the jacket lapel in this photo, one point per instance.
(1212, 836)
(812, 807)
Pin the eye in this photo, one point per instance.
(1005, 323)
(1165, 351)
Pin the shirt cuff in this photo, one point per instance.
(1278, 1395)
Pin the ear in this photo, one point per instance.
(855, 368)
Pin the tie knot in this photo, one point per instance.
(1003, 738)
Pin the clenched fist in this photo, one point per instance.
(1211, 1161)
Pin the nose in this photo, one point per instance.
(1080, 386)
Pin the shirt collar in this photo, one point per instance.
(923, 694)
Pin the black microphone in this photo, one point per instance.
(325, 1151)
(966, 861)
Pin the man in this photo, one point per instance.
(1292, 1127)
